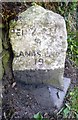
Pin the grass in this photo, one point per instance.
(69, 110)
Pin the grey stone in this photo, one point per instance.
(51, 97)
(38, 40)
(40, 76)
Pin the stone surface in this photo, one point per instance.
(39, 44)
(50, 97)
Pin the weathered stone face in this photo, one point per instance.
(39, 43)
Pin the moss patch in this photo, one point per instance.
(6, 57)
(1, 70)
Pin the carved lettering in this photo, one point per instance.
(39, 53)
(18, 32)
(40, 61)
(38, 41)
(21, 53)
(27, 53)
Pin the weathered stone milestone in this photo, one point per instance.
(39, 43)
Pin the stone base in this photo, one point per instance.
(49, 97)
(41, 76)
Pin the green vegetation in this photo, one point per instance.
(74, 99)
(13, 23)
(70, 14)
(72, 51)
(68, 11)
(38, 116)
(70, 110)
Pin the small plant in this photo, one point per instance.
(38, 116)
(66, 111)
(72, 51)
(74, 99)
(70, 110)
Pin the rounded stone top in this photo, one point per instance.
(39, 39)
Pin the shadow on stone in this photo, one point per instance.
(48, 96)
(47, 77)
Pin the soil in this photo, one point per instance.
(18, 103)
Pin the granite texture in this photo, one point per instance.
(38, 40)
